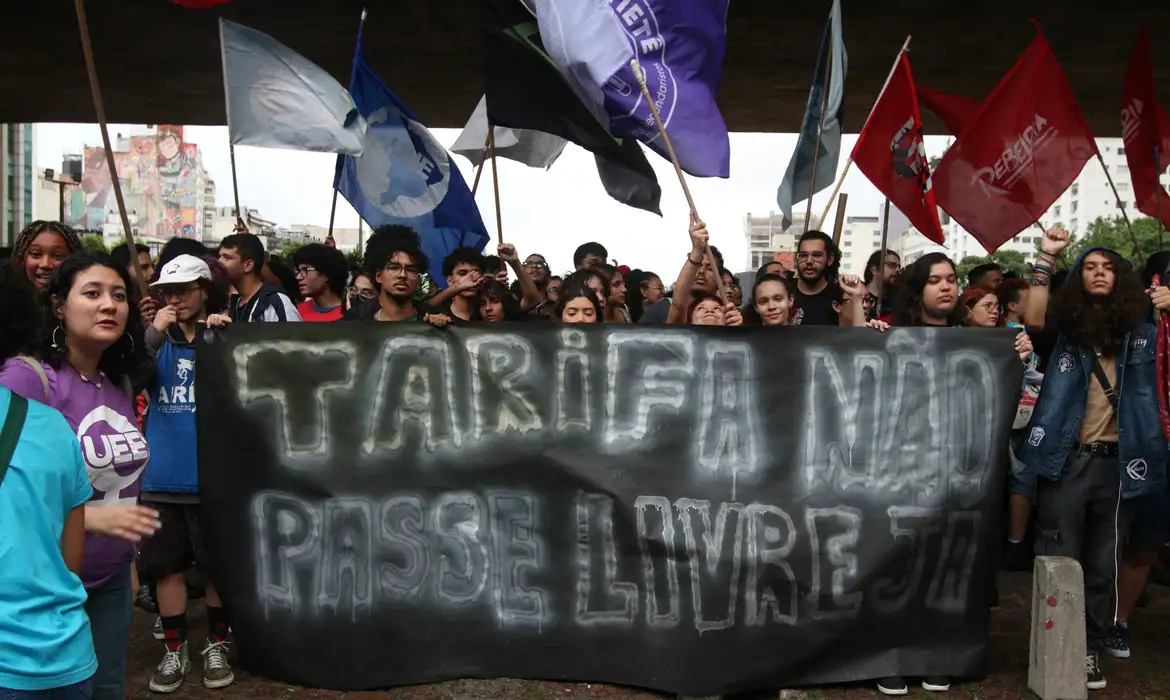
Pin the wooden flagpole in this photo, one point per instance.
(488, 142)
(678, 171)
(496, 192)
(839, 224)
(111, 165)
(812, 183)
(1137, 249)
(849, 160)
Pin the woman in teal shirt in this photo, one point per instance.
(46, 647)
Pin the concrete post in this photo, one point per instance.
(1056, 665)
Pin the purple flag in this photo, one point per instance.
(680, 45)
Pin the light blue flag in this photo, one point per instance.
(277, 98)
(405, 176)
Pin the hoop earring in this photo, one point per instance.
(53, 339)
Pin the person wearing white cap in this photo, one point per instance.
(171, 483)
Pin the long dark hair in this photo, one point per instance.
(908, 304)
(19, 321)
(1096, 322)
(127, 357)
(635, 295)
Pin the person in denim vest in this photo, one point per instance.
(1095, 443)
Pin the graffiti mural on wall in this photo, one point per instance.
(160, 177)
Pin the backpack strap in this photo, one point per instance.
(10, 433)
(40, 370)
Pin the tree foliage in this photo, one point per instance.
(1114, 234)
(94, 242)
(1006, 259)
(354, 258)
(286, 250)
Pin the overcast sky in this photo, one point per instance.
(550, 212)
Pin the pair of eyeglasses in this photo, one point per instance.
(818, 255)
(536, 264)
(363, 294)
(398, 269)
(304, 270)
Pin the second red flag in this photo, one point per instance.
(890, 152)
(1023, 149)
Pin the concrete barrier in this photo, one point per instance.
(1056, 663)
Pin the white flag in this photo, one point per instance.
(277, 98)
(535, 149)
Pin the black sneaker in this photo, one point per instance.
(936, 684)
(1094, 677)
(145, 599)
(1117, 641)
(895, 685)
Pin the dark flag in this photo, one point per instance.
(525, 90)
(1146, 133)
(798, 178)
(890, 152)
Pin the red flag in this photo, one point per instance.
(890, 152)
(955, 111)
(1023, 149)
(1144, 128)
(199, 4)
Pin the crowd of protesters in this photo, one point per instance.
(99, 492)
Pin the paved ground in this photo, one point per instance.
(1144, 677)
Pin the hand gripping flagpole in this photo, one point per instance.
(111, 165)
(849, 161)
(677, 171)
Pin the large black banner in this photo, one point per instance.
(697, 511)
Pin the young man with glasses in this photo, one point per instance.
(817, 262)
(321, 273)
(395, 260)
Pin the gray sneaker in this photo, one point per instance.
(171, 671)
(217, 672)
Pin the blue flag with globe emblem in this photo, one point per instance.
(405, 176)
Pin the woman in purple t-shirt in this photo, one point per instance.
(92, 344)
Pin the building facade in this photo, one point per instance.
(17, 179)
(163, 184)
(767, 238)
(1089, 197)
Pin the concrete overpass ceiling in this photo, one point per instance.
(159, 62)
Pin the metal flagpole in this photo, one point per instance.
(882, 260)
(1158, 196)
(1137, 249)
